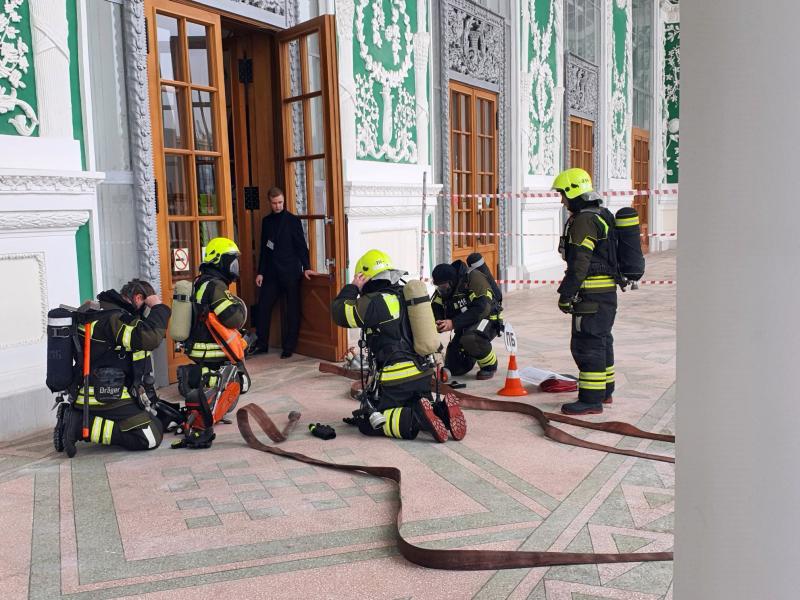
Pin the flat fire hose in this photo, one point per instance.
(459, 560)
(544, 418)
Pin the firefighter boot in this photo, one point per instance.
(581, 408)
(71, 430)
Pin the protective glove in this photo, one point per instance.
(565, 304)
(325, 432)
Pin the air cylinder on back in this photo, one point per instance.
(180, 324)
(630, 258)
(420, 315)
(60, 349)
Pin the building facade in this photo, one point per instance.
(140, 129)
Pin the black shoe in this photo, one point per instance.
(71, 431)
(485, 374)
(581, 408)
(258, 350)
(286, 354)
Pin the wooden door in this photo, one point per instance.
(309, 104)
(641, 181)
(581, 145)
(190, 140)
(473, 170)
(250, 86)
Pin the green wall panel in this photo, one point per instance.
(18, 105)
(83, 245)
(672, 77)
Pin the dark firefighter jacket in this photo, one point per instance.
(588, 253)
(382, 316)
(471, 301)
(210, 292)
(122, 338)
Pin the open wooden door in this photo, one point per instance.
(190, 140)
(309, 104)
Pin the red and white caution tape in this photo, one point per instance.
(558, 281)
(556, 195)
(488, 234)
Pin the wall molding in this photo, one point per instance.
(48, 183)
(39, 219)
(393, 190)
(43, 308)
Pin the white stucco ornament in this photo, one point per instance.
(14, 63)
(674, 125)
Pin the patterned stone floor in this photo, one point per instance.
(230, 522)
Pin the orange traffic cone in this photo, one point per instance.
(513, 386)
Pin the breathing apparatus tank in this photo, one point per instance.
(630, 258)
(60, 371)
(180, 324)
(420, 316)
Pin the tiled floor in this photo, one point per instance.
(230, 522)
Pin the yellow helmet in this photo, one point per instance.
(573, 183)
(374, 262)
(217, 248)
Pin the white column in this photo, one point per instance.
(738, 401)
(345, 10)
(51, 65)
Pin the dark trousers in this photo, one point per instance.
(592, 347)
(271, 290)
(125, 425)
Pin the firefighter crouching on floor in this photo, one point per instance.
(397, 402)
(210, 294)
(463, 302)
(130, 324)
(588, 290)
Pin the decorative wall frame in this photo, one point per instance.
(582, 99)
(473, 51)
(39, 257)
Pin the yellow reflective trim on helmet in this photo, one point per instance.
(350, 315)
(573, 182)
(628, 222)
(108, 427)
(373, 262)
(97, 426)
(393, 304)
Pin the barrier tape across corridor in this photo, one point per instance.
(558, 281)
(671, 234)
(556, 195)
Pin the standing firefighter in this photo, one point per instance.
(397, 402)
(589, 289)
(464, 302)
(123, 328)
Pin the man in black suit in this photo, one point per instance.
(282, 262)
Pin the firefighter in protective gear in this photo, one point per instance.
(463, 302)
(129, 327)
(589, 289)
(374, 303)
(219, 269)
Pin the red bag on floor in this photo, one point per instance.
(557, 386)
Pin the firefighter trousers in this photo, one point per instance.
(125, 425)
(592, 347)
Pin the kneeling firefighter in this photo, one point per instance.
(207, 320)
(399, 334)
(112, 341)
(464, 302)
(601, 252)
